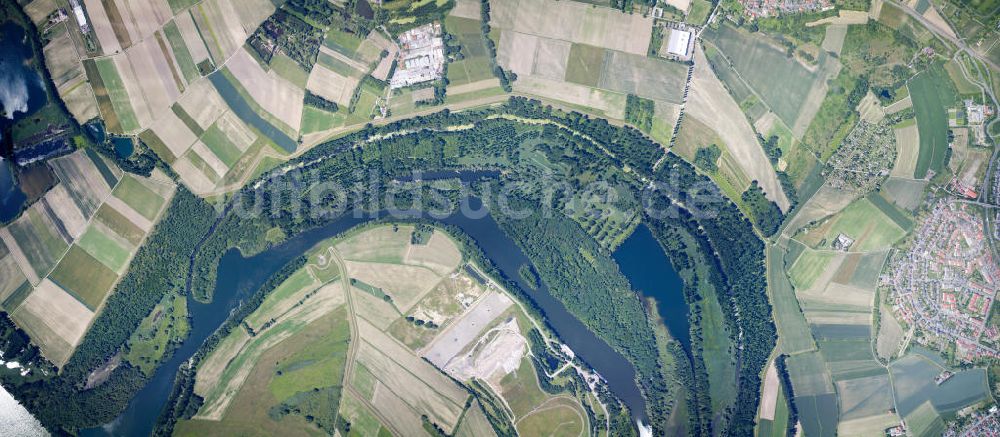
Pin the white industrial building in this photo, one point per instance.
(679, 43)
(421, 56)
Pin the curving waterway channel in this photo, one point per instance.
(238, 277)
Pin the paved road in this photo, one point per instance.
(941, 32)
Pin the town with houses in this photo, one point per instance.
(945, 284)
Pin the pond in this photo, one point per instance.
(124, 146)
(238, 277)
(648, 269)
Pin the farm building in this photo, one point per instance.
(678, 43)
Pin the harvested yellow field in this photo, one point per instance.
(331, 86)
(80, 100)
(205, 154)
(62, 60)
(18, 255)
(517, 52)
(381, 244)
(10, 276)
(907, 151)
(146, 16)
(406, 284)
(221, 27)
(870, 108)
(237, 132)
(933, 17)
(196, 179)
(102, 26)
(845, 17)
(575, 22)
(899, 105)
(253, 12)
(610, 103)
(155, 78)
(83, 180)
(133, 88)
(769, 392)
(841, 294)
(840, 317)
(192, 39)
(711, 104)
(38, 10)
(273, 93)
(400, 415)
(415, 382)
(474, 86)
(203, 103)
(871, 425)
(55, 321)
(440, 254)
(173, 133)
(376, 311)
(59, 200)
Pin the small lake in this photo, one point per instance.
(245, 112)
(238, 277)
(647, 267)
(124, 146)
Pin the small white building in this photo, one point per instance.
(81, 17)
(678, 42)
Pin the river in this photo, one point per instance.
(649, 271)
(22, 92)
(238, 277)
(15, 420)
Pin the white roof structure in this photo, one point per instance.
(677, 43)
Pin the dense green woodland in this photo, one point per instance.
(577, 270)
(158, 268)
(574, 149)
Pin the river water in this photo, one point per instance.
(15, 420)
(238, 277)
(21, 94)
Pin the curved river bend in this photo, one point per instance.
(238, 277)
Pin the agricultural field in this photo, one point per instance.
(710, 103)
(931, 92)
(591, 65)
(384, 330)
(862, 221)
(65, 254)
(913, 385)
(790, 89)
(570, 21)
(475, 63)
